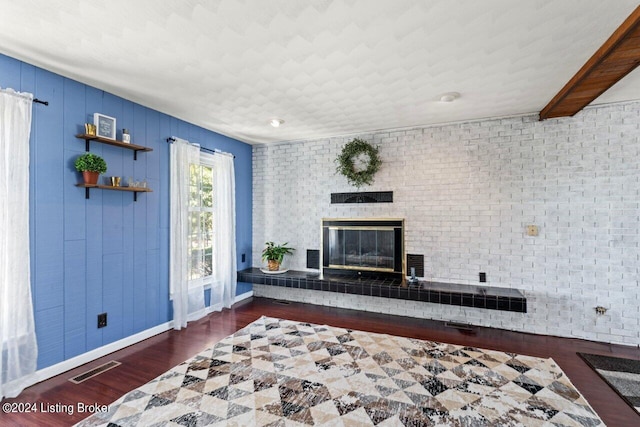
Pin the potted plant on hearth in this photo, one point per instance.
(91, 167)
(274, 254)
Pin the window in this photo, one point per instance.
(201, 233)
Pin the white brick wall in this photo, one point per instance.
(467, 191)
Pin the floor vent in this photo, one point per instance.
(95, 371)
(279, 301)
(460, 326)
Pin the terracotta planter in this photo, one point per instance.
(273, 265)
(90, 177)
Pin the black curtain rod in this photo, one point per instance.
(37, 101)
(170, 140)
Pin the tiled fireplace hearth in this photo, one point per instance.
(429, 292)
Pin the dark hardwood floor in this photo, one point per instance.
(146, 360)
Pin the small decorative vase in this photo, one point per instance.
(90, 177)
(273, 265)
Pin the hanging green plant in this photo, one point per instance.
(347, 166)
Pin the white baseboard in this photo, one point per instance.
(238, 298)
(74, 362)
(243, 296)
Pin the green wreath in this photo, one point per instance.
(347, 167)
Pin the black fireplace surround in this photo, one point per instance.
(366, 257)
(487, 297)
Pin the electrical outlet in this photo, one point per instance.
(102, 320)
(483, 277)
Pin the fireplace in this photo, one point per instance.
(363, 247)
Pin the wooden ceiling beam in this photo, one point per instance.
(616, 58)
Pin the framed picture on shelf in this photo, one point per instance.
(105, 125)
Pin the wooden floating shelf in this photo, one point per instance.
(134, 190)
(113, 142)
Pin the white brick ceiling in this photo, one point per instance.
(326, 67)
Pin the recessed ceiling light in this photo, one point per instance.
(276, 122)
(449, 96)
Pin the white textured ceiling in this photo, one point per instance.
(326, 67)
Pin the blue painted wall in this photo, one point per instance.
(105, 254)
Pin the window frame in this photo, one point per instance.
(206, 282)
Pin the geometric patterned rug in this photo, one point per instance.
(622, 375)
(278, 372)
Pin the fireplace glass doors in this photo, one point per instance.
(362, 246)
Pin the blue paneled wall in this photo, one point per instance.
(109, 253)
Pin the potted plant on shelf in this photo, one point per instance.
(91, 167)
(274, 254)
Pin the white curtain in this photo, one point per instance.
(18, 347)
(188, 303)
(224, 225)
